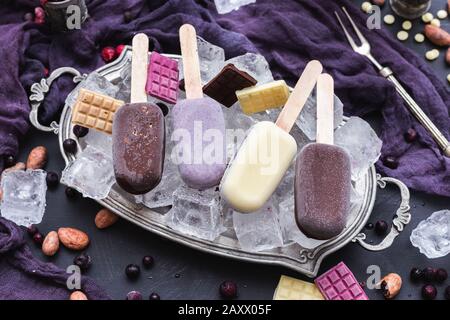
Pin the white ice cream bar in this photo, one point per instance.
(258, 167)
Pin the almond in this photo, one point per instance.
(380, 3)
(51, 244)
(447, 56)
(73, 238)
(78, 295)
(105, 218)
(37, 158)
(436, 35)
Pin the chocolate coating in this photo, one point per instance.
(138, 147)
(322, 190)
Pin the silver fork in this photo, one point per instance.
(416, 110)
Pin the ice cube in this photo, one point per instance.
(94, 82)
(23, 199)
(196, 213)
(225, 6)
(211, 59)
(99, 140)
(91, 173)
(255, 65)
(307, 120)
(259, 230)
(361, 142)
(432, 236)
(285, 189)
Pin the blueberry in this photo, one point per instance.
(429, 274)
(411, 135)
(416, 274)
(441, 275)
(228, 290)
(390, 162)
(80, 131)
(447, 293)
(52, 179)
(71, 193)
(134, 295)
(32, 230)
(148, 261)
(38, 238)
(154, 296)
(381, 227)
(429, 292)
(70, 145)
(83, 261)
(10, 160)
(132, 271)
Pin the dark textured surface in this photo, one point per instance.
(201, 274)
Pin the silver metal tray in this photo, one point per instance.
(303, 259)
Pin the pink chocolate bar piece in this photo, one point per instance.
(339, 283)
(162, 79)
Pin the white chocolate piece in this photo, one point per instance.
(406, 25)
(402, 35)
(419, 38)
(436, 23)
(442, 14)
(448, 78)
(259, 166)
(389, 19)
(427, 17)
(432, 54)
(366, 7)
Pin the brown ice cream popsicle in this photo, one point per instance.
(323, 176)
(138, 131)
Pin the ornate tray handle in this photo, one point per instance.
(40, 89)
(402, 217)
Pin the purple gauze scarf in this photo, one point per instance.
(288, 33)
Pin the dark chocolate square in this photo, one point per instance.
(223, 87)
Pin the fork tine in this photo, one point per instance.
(358, 33)
(349, 37)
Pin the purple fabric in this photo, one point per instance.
(22, 277)
(288, 33)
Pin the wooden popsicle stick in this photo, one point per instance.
(325, 109)
(191, 64)
(139, 68)
(299, 95)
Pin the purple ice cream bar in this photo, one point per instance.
(162, 80)
(339, 283)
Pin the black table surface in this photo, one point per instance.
(184, 273)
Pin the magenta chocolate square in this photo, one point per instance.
(339, 283)
(162, 80)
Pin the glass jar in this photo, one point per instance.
(410, 9)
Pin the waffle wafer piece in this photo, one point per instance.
(94, 110)
(294, 289)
